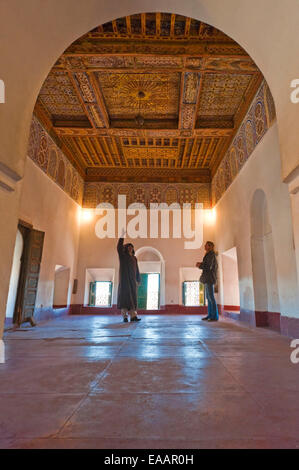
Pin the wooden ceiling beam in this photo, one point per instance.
(143, 24)
(108, 151)
(208, 152)
(94, 150)
(43, 116)
(187, 26)
(158, 24)
(218, 158)
(114, 26)
(150, 133)
(100, 150)
(158, 47)
(84, 150)
(201, 80)
(128, 23)
(150, 174)
(172, 23)
(116, 150)
(100, 99)
(80, 155)
(199, 153)
(78, 165)
(201, 28)
(174, 69)
(188, 101)
(185, 152)
(192, 153)
(79, 96)
(181, 103)
(217, 152)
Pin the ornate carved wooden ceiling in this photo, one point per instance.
(148, 97)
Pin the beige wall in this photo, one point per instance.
(62, 286)
(230, 278)
(51, 210)
(233, 227)
(294, 194)
(14, 276)
(9, 202)
(101, 253)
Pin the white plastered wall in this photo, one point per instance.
(49, 209)
(233, 227)
(62, 286)
(98, 274)
(230, 278)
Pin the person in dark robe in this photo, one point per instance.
(209, 268)
(129, 278)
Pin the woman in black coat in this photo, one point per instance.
(129, 277)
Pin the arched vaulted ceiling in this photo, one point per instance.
(151, 97)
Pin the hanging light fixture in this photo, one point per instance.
(139, 119)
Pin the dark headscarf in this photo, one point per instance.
(126, 247)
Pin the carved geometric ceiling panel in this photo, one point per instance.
(59, 97)
(161, 94)
(152, 94)
(221, 94)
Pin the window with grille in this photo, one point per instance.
(193, 294)
(100, 294)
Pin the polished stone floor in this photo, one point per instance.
(166, 382)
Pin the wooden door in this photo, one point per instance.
(28, 283)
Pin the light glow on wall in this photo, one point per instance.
(86, 215)
(210, 216)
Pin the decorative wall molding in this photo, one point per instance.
(146, 193)
(8, 178)
(257, 121)
(52, 161)
(2, 352)
(6, 183)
